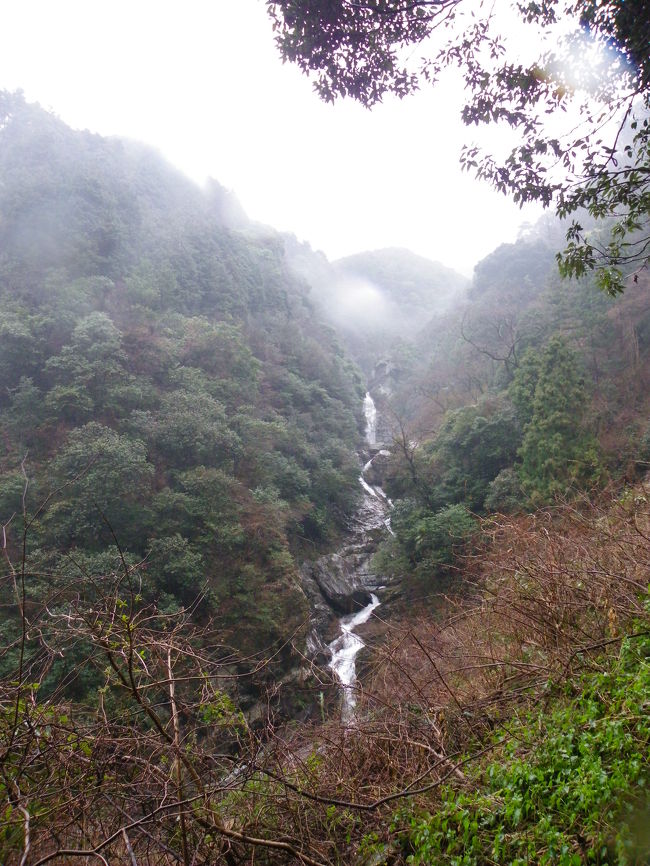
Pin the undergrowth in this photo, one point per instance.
(513, 727)
(567, 785)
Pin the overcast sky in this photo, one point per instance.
(202, 81)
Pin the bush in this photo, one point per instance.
(505, 493)
(432, 541)
(578, 795)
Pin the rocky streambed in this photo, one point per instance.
(342, 589)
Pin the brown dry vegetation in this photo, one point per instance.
(546, 598)
(164, 770)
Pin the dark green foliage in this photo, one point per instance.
(522, 389)
(104, 480)
(167, 375)
(473, 445)
(203, 505)
(26, 412)
(432, 541)
(12, 487)
(189, 428)
(87, 376)
(175, 569)
(17, 350)
(558, 451)
(504, 492)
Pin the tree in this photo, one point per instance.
(473, 445)
(86, 373)
(190, 428)
(104, 477)
(598, 72)
(558, 450)
(431, 542)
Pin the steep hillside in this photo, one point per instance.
(179, 433)
(532, 390)
(167, 388)
(417, 285)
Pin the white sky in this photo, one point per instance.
(202, 81)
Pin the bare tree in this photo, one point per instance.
(500, 339)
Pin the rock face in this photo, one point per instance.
(342, 583)
(334, 587)
(321, 617)
(374, 471)
(339, 582)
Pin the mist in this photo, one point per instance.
(357, 304)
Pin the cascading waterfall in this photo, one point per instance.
(344, 651)
(346, 646)
(370, 411)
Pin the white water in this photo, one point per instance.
(344, 651)
(369, 490)
(382, 453)
(345, 647)
(370, 411)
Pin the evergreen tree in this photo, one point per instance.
(558, 450)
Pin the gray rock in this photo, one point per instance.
(375, 473)
(321, 614)
(339, 582)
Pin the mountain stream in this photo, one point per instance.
(369, 523)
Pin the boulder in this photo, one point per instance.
(375, 471)
(341, 586)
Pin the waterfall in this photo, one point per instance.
(374, 514)
(370, 411)
(344, 650)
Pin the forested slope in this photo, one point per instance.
(166, 385)
(532, 390)
(505, 693)
(377, 300)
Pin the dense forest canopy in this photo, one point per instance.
(590, 64)
(165, 383)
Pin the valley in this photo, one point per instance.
(309, 562)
